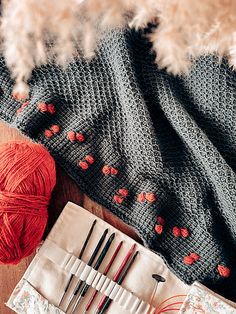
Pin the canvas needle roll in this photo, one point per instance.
(27, 178)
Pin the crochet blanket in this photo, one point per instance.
(158, 151)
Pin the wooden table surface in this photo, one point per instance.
(65, 190)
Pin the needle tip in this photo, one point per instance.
(112, 236)
(120, 245)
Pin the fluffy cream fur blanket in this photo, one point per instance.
(186, 29)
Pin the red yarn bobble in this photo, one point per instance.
(48, 133)
(27, 179)
(150, 197)
(46, 108)
(123, 192)
(160, 225)
(120, 196)
(188, 260)
(141, 197)
(118, 199)
(108, 170)
(88, 160)
(159, 229)
(177, 232)
(223, 271)
(73, 136)
(191, 258)
(83, 165)
(195, 256)
(53, 130)
(161, 220)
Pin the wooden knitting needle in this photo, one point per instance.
(119, 282)
(99, 261)
(110, 263)
(117, 275)
(91, 260)
(79, 257)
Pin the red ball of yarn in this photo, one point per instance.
(27, 179)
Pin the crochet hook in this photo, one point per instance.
(117, 275)
(110, 263)
(91, 260)
(99, 261)
(119, 281)
(79, 257)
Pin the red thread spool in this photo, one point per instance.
(27, 179)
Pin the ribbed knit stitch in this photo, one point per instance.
(171, 137)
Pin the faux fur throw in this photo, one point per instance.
(186, 30)
(158, 151)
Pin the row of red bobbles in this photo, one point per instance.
(122, 193)
(193, 257)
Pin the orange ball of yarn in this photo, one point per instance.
(27, 179)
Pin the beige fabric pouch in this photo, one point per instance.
(43, 284)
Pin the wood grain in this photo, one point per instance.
(65, 190)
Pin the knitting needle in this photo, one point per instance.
(117, 274)
(104, 273)
(92, 258)
(79, 257)
(96, 266)
(119, 282)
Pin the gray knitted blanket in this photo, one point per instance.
(158, 151)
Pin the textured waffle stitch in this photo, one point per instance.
(145, 144)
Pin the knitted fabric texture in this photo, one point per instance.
(158, 151)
